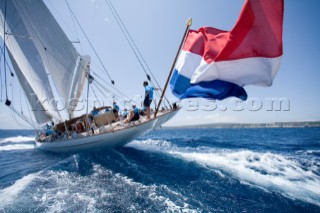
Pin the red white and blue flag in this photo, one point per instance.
(216, 64)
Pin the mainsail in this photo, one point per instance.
(44, 59)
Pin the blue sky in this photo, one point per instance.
(157, 27)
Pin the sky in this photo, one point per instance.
(157, 27)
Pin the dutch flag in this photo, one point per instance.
(217, 64)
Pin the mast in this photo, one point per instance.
(189, 23)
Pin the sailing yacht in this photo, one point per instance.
(48, 66)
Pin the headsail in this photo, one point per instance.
(56, 51)
(28, 65)
(42, 52)
(40, 114)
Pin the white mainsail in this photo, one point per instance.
(39, 49)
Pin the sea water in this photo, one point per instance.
(170, 170)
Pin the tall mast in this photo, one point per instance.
(189, 23)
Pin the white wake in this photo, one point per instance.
(16, 143)
(270, 171)
(57, 191)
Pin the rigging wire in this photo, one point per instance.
(6, 63)
(95, 95)
(125, 33)
(105, 69)
(1, 85)
(119, 93)
(112, 93)
(15, 112)
(116, 91)
(20, 100)
(4, 55)
(14, 14)
(121, 27)
(100, 90)
(74, 26)
(47, 55)
(134, 48)
(50, 67)
(128, 35)
(32, 122)
(47, 51)
(108, 91)
(27, 104)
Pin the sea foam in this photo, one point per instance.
(7, 195)
(16, 143)
(16, 139)
(54, 190)
(270, 171)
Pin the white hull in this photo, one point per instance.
(111, 139)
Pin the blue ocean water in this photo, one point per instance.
(170, 170)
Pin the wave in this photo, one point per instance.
(12, 192)
(309, 152)
(16, 139)
(16, 143)
(16, 147)
(273, 172)
(53, 190)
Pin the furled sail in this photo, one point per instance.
(43, 55)
(78, 83)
